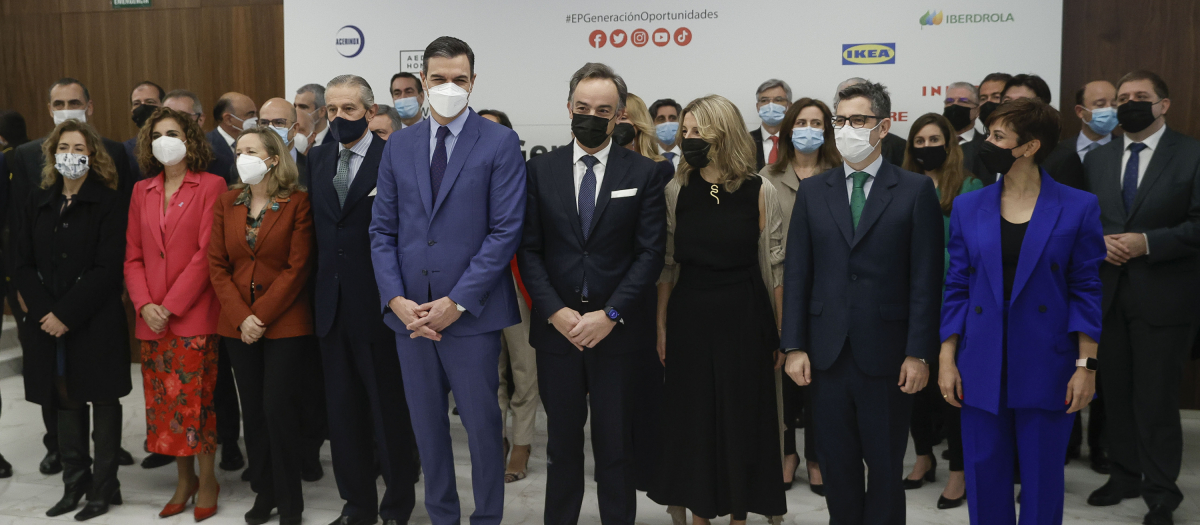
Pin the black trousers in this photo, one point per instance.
(368, 416)
(861, 418)
(928, 405)
(315, 425)
(797, 406)
(225, 400)
(568, 384)
(1095, 430)
(1141, 369)
(272, 400)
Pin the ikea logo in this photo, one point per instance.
(868, 54)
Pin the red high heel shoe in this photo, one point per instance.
(177, 508)
(203, 513)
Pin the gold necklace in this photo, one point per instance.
(714, 193)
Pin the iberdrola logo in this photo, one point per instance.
(931, 18)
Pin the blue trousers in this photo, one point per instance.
(466, 365)
(1040, 438)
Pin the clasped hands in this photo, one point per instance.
(583, 331)
(913, 373)
(1124, 246)
(156, 316)
(425, 320)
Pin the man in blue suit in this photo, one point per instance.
(860, 308)
(447, 221)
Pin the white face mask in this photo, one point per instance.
(854, 143)
(246, 124)
(71, 165)
(251, 169)
(448, 100)
(300, 142)
(168, 150)
(63, 115)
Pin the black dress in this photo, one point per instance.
(722, 454)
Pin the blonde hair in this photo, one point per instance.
(639, 116)
(284, 177)
(100, 165)
(731, 151)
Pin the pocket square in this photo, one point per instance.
(624, 193)
(373, 192)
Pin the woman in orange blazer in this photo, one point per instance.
(260, 257)
(166, 273)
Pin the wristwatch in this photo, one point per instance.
(1090, 363)
(613, 315)
(459, 307)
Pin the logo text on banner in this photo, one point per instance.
(868, 54)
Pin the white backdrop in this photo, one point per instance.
(526, 50)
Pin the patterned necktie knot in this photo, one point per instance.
(442, 132)
(341, 180)
(860, 178)
(590, 161)
(670, 156)
(1137, 147)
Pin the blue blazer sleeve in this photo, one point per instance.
(385, 252)
(1083, 273)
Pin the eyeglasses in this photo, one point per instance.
(966, 101)
(777, 100)
(277, 123)
(856, 121)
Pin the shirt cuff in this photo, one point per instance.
(790, 350)
(1147, 239)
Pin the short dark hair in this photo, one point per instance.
(662, 102)
(996, 77)
(12, 128)
(67, 81)
(1160, 87)
(162, 94)
(876, 93)
(500, 115)
(446, 47)
(197, 107)
(405, 74)
(1030, 119)
(1033, 82)
(1079, 95)
(222, 107)
(603, 72)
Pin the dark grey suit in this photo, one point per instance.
(1150, 305)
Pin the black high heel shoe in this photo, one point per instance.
(930, 476)
(947, 503)
(787, 485)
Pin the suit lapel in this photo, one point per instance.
(877, 201)
(614, 174)
(562, 175)
(987, 231)
(462, 149)
(364, 180)
(420, 162)
(1159, 158)
(179, 205)
(269, 220)
(1041, 224)
(235, 226)
(150, 210)
(322, 181)
(839, 204)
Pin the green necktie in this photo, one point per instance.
(858, 197)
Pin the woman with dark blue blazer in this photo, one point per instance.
(1021, 319)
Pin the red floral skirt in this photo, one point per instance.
(179, 374)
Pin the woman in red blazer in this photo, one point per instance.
(260, 257)
(166, 272)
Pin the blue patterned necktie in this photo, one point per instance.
(670, 156)
(1130, 184)
(341, 181)
(587, 203)
(437, 166)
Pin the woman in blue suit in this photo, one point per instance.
(1021, 319)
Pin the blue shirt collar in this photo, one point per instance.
(455, 125)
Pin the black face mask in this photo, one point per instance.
(930, 158)
(623, 134)
(1136, 115)
(347, 131)
(959, 116)
(997, 159)
(695, 152)
(591, 131)
(142, 113)
(986, 109)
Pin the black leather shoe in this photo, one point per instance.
(290, 520)
(350, 520)
(51, 464)
(947, 503)
(1100, 463)
(246, 475)
(157, 460)
(1109, 494)
(98, 507)
(817, 489)
(312, 471)
(231, 457)
(124, 458)
(1072, 453)
(1159, 515)
(261, 511)
(930, 476)
(5, 468)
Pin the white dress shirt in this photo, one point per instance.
(581, 168)
(319, 138)
(1151, 143)
(1082, 142)
(767, 144)
(228, 139)
(678, 154)
(966, 136)
(359, 154)
(871, 170)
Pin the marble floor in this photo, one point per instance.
(25, 497)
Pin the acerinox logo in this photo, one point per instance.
(931, 18)
(349, 41)
(868, 54)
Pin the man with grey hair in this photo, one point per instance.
(773, 99)
(893, 144)
(386, 121)
(962, 110)
(861, 308)
(310, 99)
(590, 269)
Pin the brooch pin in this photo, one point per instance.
(714, 193)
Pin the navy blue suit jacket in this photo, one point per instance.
(878, 285)
(461, 245)
(223, 157)
(345, 278)
(1055, 295)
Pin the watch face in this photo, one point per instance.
(612, 314)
